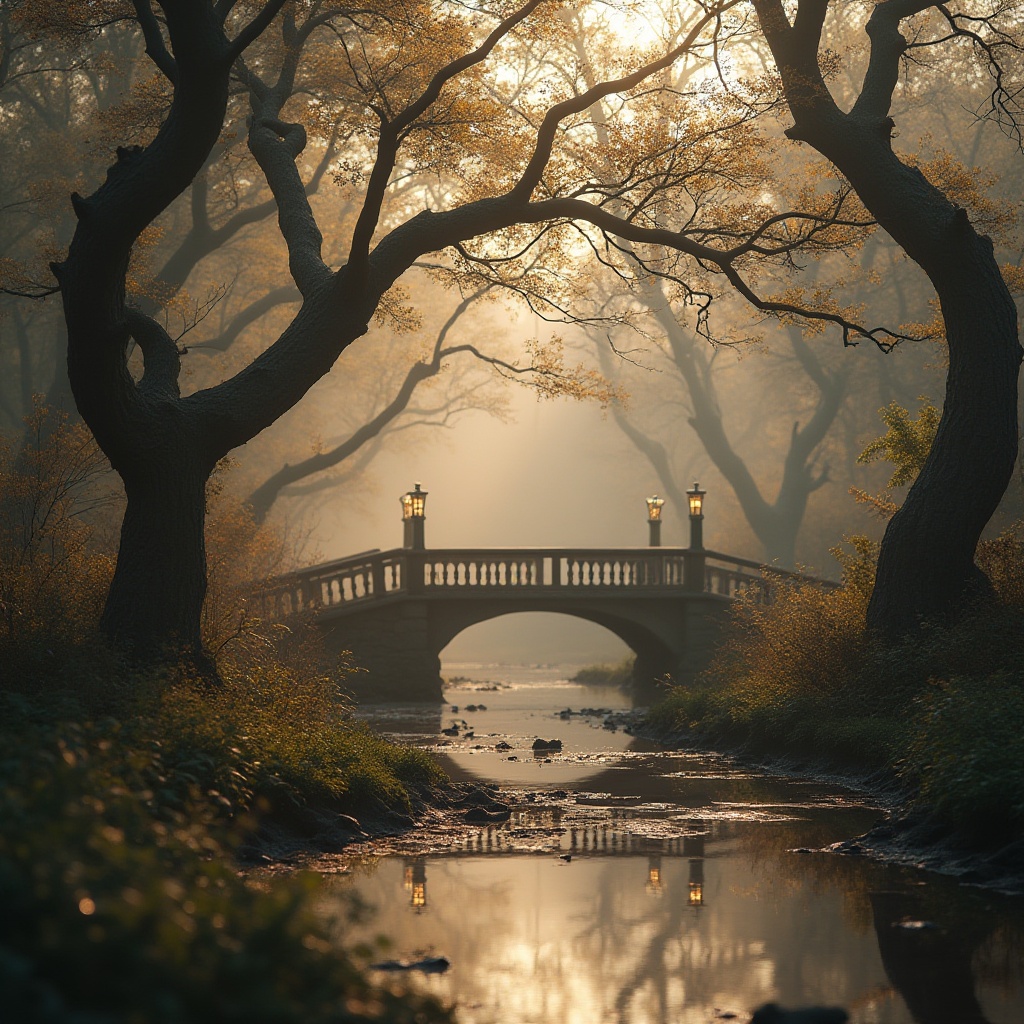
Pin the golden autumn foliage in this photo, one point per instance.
(803, 644)
(905, 445)
(58, 512)
(52, 579)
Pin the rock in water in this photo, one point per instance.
(428, 965)
(483, 816)
(540, 744)
(772, 1013)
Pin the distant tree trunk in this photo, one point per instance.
(775, 524)
(926, 563)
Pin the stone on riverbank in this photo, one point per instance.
(539, 745)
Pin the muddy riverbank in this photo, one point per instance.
(906, 837)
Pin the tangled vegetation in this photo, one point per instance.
(126, 796)
(942, 708)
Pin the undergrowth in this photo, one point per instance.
(943, 709)
(126, 795)
(121, 902)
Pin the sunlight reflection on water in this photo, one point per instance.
(681, 900)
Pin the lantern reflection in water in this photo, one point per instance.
(693, 847)
(415, 883)
(654, 886)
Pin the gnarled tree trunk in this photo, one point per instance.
(156, 597)
(926, 564)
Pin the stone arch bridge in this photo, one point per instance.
(395, 611)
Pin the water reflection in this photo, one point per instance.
(415, 882)
(687, 929)
(669, 892)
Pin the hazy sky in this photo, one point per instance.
(559, 475)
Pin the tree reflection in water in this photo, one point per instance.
(641, 930)
(938, 941)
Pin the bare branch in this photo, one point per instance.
(722, 259)
(255, 28)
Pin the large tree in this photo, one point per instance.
(421, 89)
(926, 564)
(694, 387)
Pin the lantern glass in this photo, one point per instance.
(696, 499)
(654, 505)
(414, 504)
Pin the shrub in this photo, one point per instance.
(278, 733)
(786, 668)
(606, 675)
(1002, 560)
(120, 902)
(242, 556)
(966, 755)
(52, 577)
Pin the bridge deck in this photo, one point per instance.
(521, 573)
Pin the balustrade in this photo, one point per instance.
(378, 575)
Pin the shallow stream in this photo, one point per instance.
(638, 885)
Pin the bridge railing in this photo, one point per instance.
(365, 577)
(376, 575)
(735, 577)
(544, 569)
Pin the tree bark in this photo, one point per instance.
(926, 563)
(155, 602)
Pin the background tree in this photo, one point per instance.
(545, 373)
(421, 89)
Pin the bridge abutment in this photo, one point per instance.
(691, 633)
(391, 649)
(395, 611)
(704, 618)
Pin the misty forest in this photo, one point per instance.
(511, 512)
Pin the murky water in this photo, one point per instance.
(665, 886)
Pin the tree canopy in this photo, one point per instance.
(514, 146)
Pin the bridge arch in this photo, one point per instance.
(654, 657)
(395, 611)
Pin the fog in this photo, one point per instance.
(768, 416)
